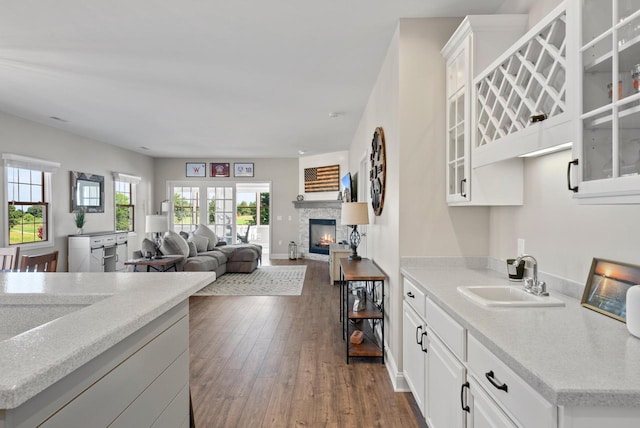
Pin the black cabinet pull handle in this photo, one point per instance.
(465, 407)
(418, 336)
(462, 182)
(574, 189)
(491, 378)
(538, 117)
(423, 343)
(410, 294)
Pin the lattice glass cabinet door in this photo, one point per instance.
(457, 134)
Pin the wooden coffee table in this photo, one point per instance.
(158, 264)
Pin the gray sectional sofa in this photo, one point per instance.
(203, 252)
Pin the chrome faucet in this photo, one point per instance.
(532, 285)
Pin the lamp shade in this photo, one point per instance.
(354, 213)
(156, 224)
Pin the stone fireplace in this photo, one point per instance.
(322, 233)
(318, 210)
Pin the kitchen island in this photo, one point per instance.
(104, 348)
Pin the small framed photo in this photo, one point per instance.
(220, 169)
(243, 169)
(196, 169)
(607, 285)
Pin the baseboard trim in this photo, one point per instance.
(279, 256)
(397, 378)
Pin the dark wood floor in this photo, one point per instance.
(276, 361)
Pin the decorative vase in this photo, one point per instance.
(79, 231)
(633, 310)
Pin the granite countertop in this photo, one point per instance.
(102, 309)
(571, 355)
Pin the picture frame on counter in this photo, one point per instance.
(607, 286)
(243, 169)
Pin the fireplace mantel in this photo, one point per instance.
(318, 204)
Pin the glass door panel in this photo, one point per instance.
(629, 141)
(598, 147)
(597, 16)
(598, 87)
(186, 208)
(220, 212)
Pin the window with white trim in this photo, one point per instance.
(124, 194)
(28, 220)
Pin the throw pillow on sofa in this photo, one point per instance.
(203, 230)
(193, 251)
(174, 244)
(201, 242)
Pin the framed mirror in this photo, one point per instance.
(87, 192)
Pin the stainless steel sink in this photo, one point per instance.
(506, 296)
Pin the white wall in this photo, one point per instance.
(76, 153)
(407, 101)
(282, 173)
(383, 232)
(326, 159)
(562, 235)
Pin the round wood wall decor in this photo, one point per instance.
(378, 173)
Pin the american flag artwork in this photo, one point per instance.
(322, 179)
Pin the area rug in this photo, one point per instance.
(264, 281)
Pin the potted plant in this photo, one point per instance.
(80, 221)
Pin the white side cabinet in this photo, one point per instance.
(606, 168)
(483, 411)
(98, 252)
(477, 41)
(414, 347)
(445, 369)
(415, 342)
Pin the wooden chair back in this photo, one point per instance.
(40, 263)
(9, 258)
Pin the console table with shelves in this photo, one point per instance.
(371, 316)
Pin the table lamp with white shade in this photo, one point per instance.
(354, 214)
(156, 225)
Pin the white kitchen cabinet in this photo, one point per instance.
(525, 100)
(606, 165)
(512, 394)
(483, 412)
(477, 41)
(445, 377)
(141, 381)
(414, 348)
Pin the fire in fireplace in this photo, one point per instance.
(322, 232)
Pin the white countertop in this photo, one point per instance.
(118, 305)
(571, 355)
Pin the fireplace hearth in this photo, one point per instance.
(322, 233)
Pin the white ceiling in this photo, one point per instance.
(239, 78)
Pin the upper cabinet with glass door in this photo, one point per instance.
(607, 164)
(478, 40)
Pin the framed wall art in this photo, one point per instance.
(220, 169)
(322, 179)
(196, 169)
(607, 285)
(243, 169)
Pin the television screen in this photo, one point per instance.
(348, 188)
(345, 187)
